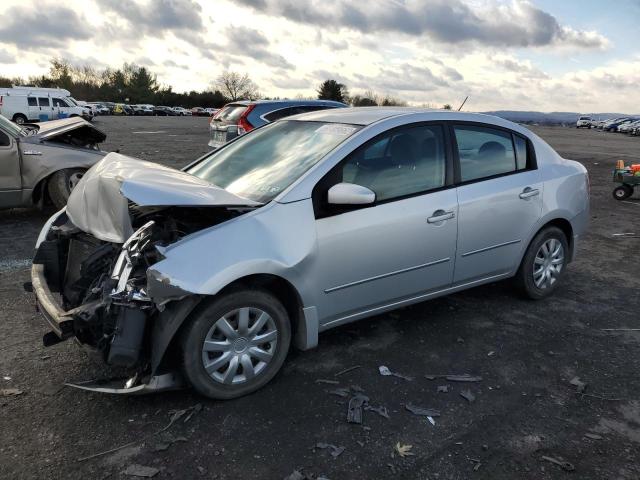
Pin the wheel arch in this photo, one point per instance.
(559, 222)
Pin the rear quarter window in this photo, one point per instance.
(231, 113)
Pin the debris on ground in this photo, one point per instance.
(620, 329)
(467, 395)
(431, 421)
(295, 475)
(341, 392)
(330, 382)
(347, 370)
(6, 378)
(580, 385)
(354, 412)
(421, 411)
(564, 465)
(443, 388)
(385, 372)
(460, 340)
(195, 409)
(335, 451)
(491, 353)
(381, 410)
(628, 234)
(465, 377)
(404, 450)
(10, 392)
(141, 471)
(165, 441)
(593, 436)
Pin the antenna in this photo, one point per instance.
(465, 101)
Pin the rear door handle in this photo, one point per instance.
(529, 192)
(440, 216)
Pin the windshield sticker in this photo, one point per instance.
(336, 129)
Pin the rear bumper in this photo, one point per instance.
(61, 322)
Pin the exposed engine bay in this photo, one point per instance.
(102, 286)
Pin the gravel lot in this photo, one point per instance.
(526, 352)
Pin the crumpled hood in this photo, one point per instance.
(54, 128)
(99, 203)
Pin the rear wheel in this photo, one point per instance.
(544, 264)
(235, 344)
(622, 192)
(20, 119)
(61, 183)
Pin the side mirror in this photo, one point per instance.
(350, 194)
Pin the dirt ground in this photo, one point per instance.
(526, 353)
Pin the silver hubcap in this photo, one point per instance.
(74, 178)
(548, 263)
(239, 346)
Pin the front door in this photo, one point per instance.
(499, 198)
(10, 180)
(33, 112)
(401, 246)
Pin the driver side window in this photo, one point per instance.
(399, 163)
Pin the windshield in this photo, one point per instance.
(10, 127)
(72, 101)
(261, 164)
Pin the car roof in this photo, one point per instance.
(288, 102)
(368, 115)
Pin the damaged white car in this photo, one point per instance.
(204, 277)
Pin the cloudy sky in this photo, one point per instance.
(546, 55)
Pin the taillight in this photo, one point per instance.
(243, 124)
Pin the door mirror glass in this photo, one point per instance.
(350, 194)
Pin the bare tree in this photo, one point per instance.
(236, 86)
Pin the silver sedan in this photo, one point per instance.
(206, 276)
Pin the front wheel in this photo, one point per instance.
(61, 183)
(235, 344)
(622, 192)
(544, 264)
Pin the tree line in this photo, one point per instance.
(135, 84)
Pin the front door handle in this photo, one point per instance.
(529, 192)
(440, 216)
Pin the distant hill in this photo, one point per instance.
(551, 118)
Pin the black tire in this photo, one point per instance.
(61, 183)
(199, 326)
(524, 278)
(622, 192)
(19, 119)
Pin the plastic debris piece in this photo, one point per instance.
(335, 451)
(340, 392)
(295, 475)
(443, 388)
(467, 395)
(431, 421)
(330, 382)
(404, 450)
(425, 412)
(141, 471)
(354, 412)
(381, 410)
(10, 392)
(580, 385)
(564, 465)
(593, 436)
(385, 372)
(465, 377)
(347, 370)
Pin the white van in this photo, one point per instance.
(28, 104)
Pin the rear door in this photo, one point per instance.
(33, 108)
(499, 200)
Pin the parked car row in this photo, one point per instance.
(629, 125)
(111, 108)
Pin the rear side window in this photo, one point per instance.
(33, 102)
(5, 141)
(522, 156)
(44, 101)
(281, 113)
(484, 152)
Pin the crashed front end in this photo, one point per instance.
(92, 286)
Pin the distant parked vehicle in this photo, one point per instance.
(161, 111)
(628, 127)
(182, 111)
(584, 122)
(211, 111)
(100, 108)
(238, 118)
(119, 109)
(199, 112)
(612, 125)
(30, 104)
